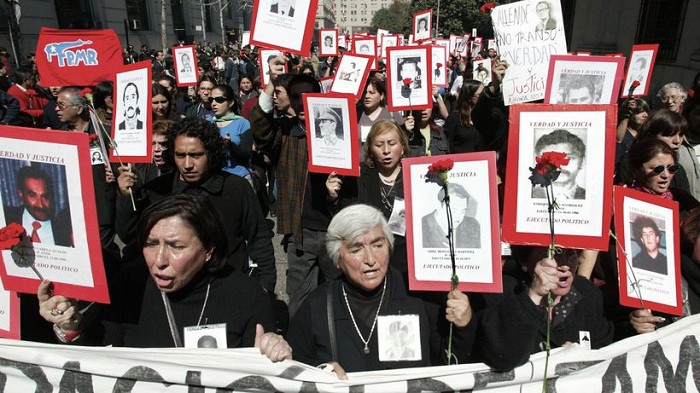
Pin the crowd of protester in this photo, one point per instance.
(228, 152)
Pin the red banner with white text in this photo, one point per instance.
(77, 57)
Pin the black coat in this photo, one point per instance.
(309, 337)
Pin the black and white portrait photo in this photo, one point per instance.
(569, 185)
(130, 104)
(467, 230)
(580, 89)
(329, 126)
(545, 21)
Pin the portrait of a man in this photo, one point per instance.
(185, 63)
(467, 230)
(409, 68)
(37, 214)
(646, 233)
(544, 16)
(638, 71)
(364, 49)
(130, 103)
(401, 342)
(566, 186)
(580, 89)
(351, 73)
(329, 126)
(283, 7)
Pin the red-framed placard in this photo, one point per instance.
(388, 40)
(351, 74)
(648, 248)
(328, 42)
(640, 67)
(333, 133)
(70, 254)
(584, 189)
(422, 25)
(264, 57)
(185, 64)
(131, 123)
(438, 54)
(474, 206)
(285, 25)
(404, 64)
(9, 315)
(583, 79)
(366, 46)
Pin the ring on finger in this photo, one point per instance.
(56, 311)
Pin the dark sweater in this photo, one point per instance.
(512, 327)
(137, 316)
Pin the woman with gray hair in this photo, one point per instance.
(672, 96)
(345, 323)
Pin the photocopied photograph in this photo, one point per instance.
(132, 112)
(409, 79)
(640, 68)
(648, 251)
(422, 26)
(43, 189)
(185, 65)
(286, 25)
(328, 42)
(583, 79)
(334, 145)
(474, 225)
(351, 74)
(583, 188)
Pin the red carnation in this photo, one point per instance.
(488, 6)
(553, 158)
(85, 92)
(407, 82)
(11, 235)
(441, 165)
(635, 84)
(438, 65)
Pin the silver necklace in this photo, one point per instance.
(352, 317)
(171, 319)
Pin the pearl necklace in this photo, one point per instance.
(352, 317)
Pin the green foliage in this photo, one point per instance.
(458, 16)
(397, 18)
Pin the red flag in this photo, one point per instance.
(77, 57)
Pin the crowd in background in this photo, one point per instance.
(243, 147)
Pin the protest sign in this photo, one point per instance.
(528, 32)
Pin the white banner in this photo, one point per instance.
(528, 32)
(666, 360)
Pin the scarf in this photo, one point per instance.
(227, 117)
(666, 194)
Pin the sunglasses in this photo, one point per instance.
(671, 169)
(219, 99)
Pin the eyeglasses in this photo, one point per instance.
(62, 106)
(671, 169)
(669, 98)
(219, 99)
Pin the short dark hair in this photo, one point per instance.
(663, 122)
(561, 136)
(199, 212)
(643, 150)
(126, 87)
(201, 129)
(34, 172)
(642, 222)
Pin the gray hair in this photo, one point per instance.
(351, 222)
(672, 85)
